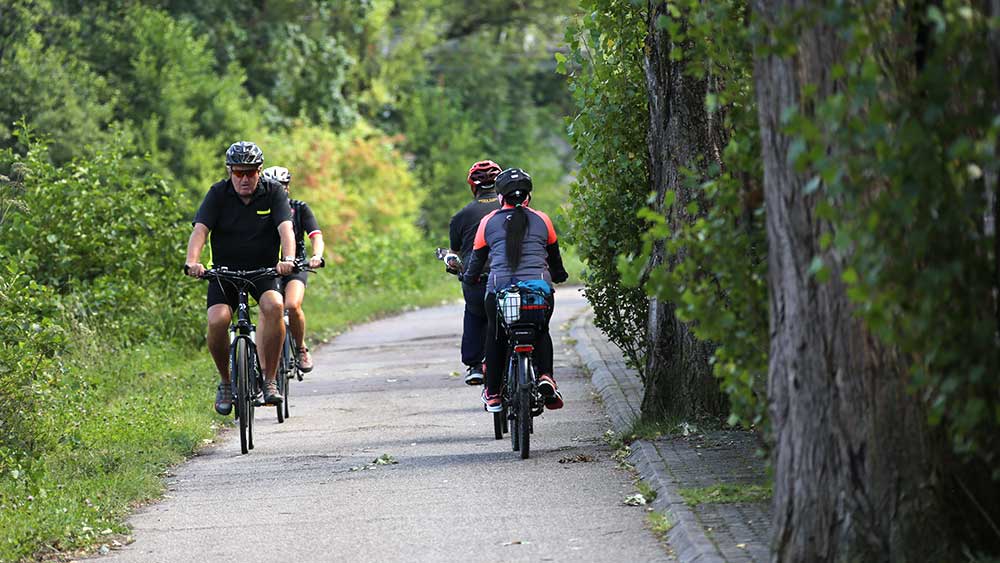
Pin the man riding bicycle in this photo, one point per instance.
(294, 285)
(462, 235)
(249, 220)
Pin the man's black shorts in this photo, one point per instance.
(221, 291)
(301, 276)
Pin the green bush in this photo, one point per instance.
(608, 134)
(112, 256)
(32, 335)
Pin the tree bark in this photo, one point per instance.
(851, 464)
(679, 379)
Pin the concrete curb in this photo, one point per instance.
(622, 397)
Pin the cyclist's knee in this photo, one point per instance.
(270, 304)
(219, 317)
(294, 305)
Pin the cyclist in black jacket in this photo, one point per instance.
(249, 222)
(462, 232)
(294, 285)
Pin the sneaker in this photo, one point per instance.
(305, 360)
(492, 403)
(474, 376)
(554, 402)
(271, 394)
(551, 395)
(223, 399)
(546, 385)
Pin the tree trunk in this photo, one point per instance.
(679, 380)
(851, 462)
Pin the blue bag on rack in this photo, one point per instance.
(536, 300)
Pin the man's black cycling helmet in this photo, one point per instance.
(244, 153)
(513, 181)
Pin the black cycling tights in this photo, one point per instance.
(496, 347)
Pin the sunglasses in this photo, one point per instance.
(241, 173)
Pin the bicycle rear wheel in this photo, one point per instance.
(292, 372)
(282, 388)
(244, 398)
(524, 405)
(511, 403)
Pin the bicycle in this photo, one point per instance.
(246, 375)
(288, 365)
(523, 313)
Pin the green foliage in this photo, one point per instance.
(608, 134)
(719, 282)
(30, 339)
(460, 87)
(905, 163)
(180, 110)
(308, 76)
(62, 95)
(113, 253)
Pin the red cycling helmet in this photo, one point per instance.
(483, 173)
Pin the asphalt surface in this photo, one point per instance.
(310, 491)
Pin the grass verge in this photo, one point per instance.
(659, 524)
(123, 418)
(725, 493)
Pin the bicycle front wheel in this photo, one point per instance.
(241, 375)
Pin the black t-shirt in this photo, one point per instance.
(305, 225)
(244, 236)
(463, 226)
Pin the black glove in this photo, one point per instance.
(560, 277)
(452, 271)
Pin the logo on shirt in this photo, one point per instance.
(263, 212)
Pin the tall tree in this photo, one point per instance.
(683, 143)
(852, 474)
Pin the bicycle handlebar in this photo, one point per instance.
(271, 272)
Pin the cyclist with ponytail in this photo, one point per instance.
(520, 244)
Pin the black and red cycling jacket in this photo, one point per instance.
(540, 257)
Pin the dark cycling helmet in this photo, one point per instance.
(513, 181)
(483, 173)
(244, 153)
(278, 173)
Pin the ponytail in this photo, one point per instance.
(517, 226)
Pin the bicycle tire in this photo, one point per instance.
(241, 375)
(524, 405)
(498, 418)
(293, 369)
(279, 409)
(256, 386)
(515, 443)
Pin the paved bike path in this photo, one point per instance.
(311, 492)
